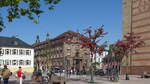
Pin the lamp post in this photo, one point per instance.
(91, 69)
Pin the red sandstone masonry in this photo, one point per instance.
(135, 70)
(146, 59)
(144, 39)
(144, 30)
(139, 33)
(141, 26)
(144, 46)
(141, 13)
(139, 20)
(142, 53)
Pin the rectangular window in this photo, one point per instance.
(28, 52)
(28, 62)
(14, 51)
(1, 52)
(20, 52)
(14, 62)
(7, 62)
(1, 62)
(21, 62)
(7, 51)
(23, 51)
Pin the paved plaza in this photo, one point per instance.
(75, 79)
(104, 80)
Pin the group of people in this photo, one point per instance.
(113, 73)
(77, 71)
(6, 73)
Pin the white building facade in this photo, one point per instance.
(98, 58)
(15, 53)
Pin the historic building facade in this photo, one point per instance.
(15, 53)
(59, 52)
(42, 54)
(136, 18)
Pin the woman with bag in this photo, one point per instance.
(20, 75)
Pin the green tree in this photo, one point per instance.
(31, 9)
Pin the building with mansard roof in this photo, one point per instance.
(16, 53)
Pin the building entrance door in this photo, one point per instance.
(77, 65)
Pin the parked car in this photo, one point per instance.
(57, 70)
(99, 72)
(145, 75)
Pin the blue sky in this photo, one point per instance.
(71, 15)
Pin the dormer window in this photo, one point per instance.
(15, 43)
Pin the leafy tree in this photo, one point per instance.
(96, 63)
(127, 47)
(130, 43)
(32, 9)
(90, 40)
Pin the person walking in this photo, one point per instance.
(20, 75)
(5, 74)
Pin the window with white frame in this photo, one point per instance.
(14, 62)
(1, 51)
(28, 52)
(28, 62)
(21, 62)
(14, 51)
(24, 52)
(7, 51)
(7, 62)
(20, 52)
(1, 62)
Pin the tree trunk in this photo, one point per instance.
(91, 69)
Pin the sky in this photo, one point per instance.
(71, 15)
